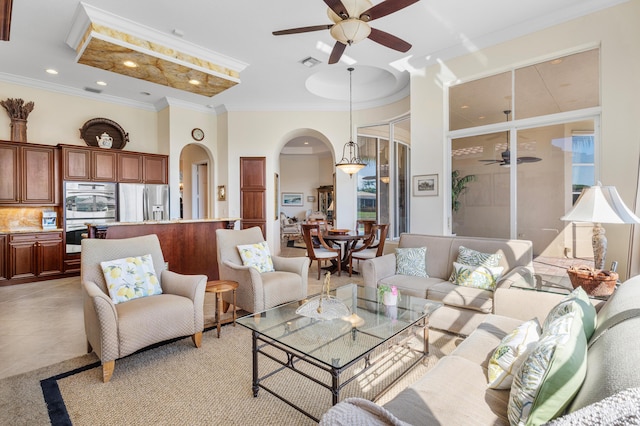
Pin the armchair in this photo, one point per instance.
(117, 330)
(288, 228)
(259, 291)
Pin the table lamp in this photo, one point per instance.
(600, 204)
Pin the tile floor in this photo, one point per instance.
(42, 323)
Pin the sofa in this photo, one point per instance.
(455, 391)
(464, 307)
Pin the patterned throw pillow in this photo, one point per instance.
(551, 375)
(130, 278)
(577, 300)
(482, 277)
(467, 256)
(257, 256)
(511, 353)
(411, 261)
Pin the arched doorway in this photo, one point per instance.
(196, 172)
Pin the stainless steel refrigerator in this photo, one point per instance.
(138, 202)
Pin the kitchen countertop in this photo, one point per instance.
(28, 230)
(163, 222)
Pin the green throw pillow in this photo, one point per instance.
(257, 256)
(467, 256)
(577, 300)
(411, 261)
(552, 373)
(130, 278)
(511, 353)
(482, 277)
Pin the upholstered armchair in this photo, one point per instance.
(258, 291)
(117, 330)
(288, 228)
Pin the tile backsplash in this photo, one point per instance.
(23, 217)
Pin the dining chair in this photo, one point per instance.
(366, 225)
(372, 246)
(322, 253)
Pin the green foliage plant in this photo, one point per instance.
(458, 187)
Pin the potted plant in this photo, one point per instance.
(458, 186)
(389, 295)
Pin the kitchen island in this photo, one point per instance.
(189, 246)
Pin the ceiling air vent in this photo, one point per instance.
(92, 90)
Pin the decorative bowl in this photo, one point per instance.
(339, 231)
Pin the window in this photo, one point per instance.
(583, 166)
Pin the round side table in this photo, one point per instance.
(219, 287)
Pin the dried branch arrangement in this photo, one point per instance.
(17, 108)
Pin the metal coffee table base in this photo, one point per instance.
(259, 342)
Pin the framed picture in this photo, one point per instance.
(311, 198)
(425, 185)
(292, 198)
(222, 193)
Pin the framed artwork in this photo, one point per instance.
(311, 198)
(425, 185)
(292, 198)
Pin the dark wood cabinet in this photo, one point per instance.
(35, 255)
(130, 167)
(155, 169)
(28, 174)
(3, 258)
(84, 164)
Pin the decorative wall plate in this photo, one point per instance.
(92, 133)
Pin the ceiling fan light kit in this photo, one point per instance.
(351, 24)
(351, 163)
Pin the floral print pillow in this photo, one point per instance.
(482, 277)
(412, 261)
(257, 256)
(130, 278)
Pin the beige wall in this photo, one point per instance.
(304, 173)
(616, 31)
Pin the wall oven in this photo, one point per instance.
(93, 202)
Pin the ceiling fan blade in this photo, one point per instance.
(5, 19)
(385, 8)
(301, 29)
(529, 159)
(336, 53)
(490, 161)
(338, 8)
(389, 40)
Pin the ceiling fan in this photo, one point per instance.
(351, 24)
(506, 154)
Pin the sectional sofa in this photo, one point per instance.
(606, 387)
(464, 307)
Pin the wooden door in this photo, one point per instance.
(253, 193)
(9, 179)
(3, 258)
(155, 169)
(38, 175)
(76, 164)
(129, 168)
(104, 166)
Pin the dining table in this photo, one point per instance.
(347, 240)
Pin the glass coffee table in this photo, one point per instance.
(298, 343)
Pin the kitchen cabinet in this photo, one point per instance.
(3, 258)
(86, 165)
(135, 167)
(33, 255)
(130, 167)
(28, 174)
(155, 169)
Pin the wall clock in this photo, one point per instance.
(197, 134)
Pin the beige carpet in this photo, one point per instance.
(178, 384)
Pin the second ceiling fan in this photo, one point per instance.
(506, 154)
(351, 24)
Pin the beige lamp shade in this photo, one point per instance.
(600, 204)
(350, 31)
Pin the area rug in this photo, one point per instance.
(175, 383)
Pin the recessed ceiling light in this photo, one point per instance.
(130, 64)
(194, 82)
(482, 117)
(101, 83)
(556, 61)
(306, 143)
(464, 107)
(51, 71)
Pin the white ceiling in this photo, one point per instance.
(274, 78)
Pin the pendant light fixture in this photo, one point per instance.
(351, 162)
